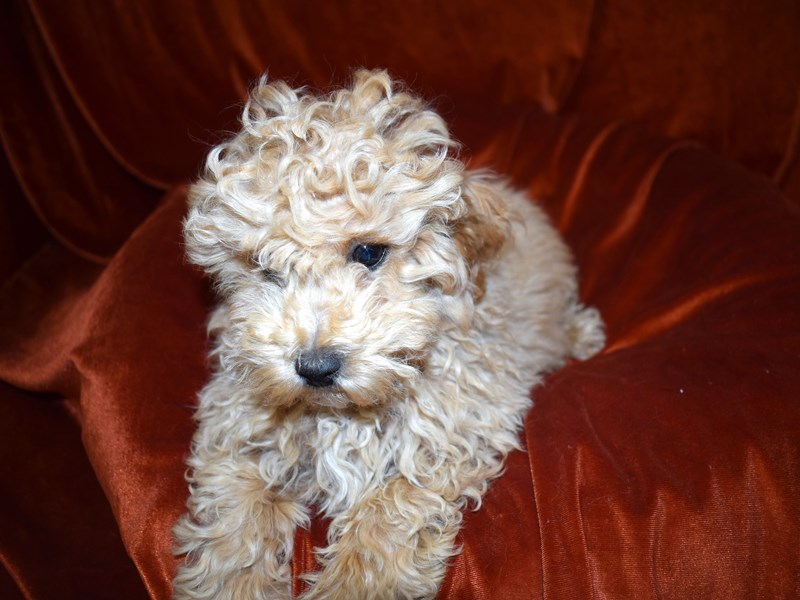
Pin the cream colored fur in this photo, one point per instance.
(440, 344)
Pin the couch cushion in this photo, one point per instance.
(666, 466)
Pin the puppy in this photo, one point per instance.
(384, 314)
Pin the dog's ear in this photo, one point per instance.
(485, 226)
(201, 229)
(217, 233)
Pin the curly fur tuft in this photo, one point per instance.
(433, 350)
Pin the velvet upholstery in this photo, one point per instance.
(668, 466)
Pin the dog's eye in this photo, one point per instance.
(369, 255)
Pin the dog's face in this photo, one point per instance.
(342, 239)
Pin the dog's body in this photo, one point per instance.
(384, 315)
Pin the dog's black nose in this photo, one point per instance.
(318, 366)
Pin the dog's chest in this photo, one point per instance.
(347, 456)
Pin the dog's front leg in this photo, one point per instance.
(394, 543)
(238, 535)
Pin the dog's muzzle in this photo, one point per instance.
(318, 367)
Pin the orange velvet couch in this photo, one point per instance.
(662, 139)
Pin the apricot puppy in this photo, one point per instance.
(384, 314)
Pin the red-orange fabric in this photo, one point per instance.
(107, 104)
(666, 467)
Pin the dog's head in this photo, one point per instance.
(344, 237)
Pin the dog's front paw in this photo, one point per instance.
(359, 575)
(229, 566)
(237, 538)
(396, 543)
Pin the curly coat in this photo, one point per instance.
(436, 346)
